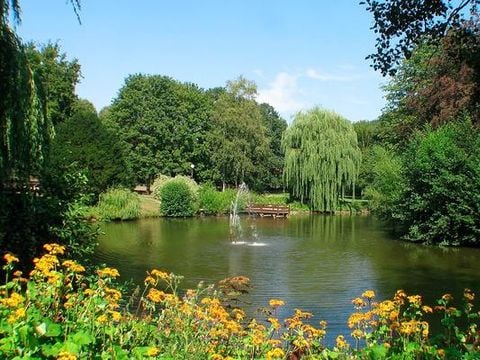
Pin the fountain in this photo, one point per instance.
(237, 236)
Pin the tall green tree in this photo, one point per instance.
(163, 123)
(239, 143)
(275, 126)
(85, 144)
(59, 77)
(25, 129)
(322, 158)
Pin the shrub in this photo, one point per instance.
(214, 202)
(164, 179)
(384, 181)
(442, 168)
(118, 204)
(177, 199)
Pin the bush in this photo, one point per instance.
(214, 202)
(384, 181)
(118, 204)
(442, 205)
(177, 199)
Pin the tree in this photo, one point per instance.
(25, 129)
(86, 145)
(401, 25)
(442, 170)
(383, 180)
(322, 158)
(163, 123)
(275, 126)
(239, 143)
(58, 76)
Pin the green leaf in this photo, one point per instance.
(81, 338)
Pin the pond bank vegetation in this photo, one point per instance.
(61, 310)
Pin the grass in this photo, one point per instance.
(149, 206)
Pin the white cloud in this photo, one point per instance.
(282, 93)
(322, 76)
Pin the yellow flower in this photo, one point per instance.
(276, 353)
(9, 258)
(13, 301)
(153, 351)
(108, 272)
(73, 266)
(217, 357)
(102, 319)
(340, 342)
(16, 315)
(359, 302)
(427, 309)
(469, 295)
(238, 314)
(275, 323)
(17, 273)
(357, 333)
(45, 264)
(64, 355)
(447, 297)
(276, 303)
(155, 295)
(355, 319)
(149, 280)
(323, 324)
(116, 316)
(162, 275)
(369, 294)
(54, 249)
(415, 300)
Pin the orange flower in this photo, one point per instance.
(276, 303)
(369, 294)
(9, 258)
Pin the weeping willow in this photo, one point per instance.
(322, 158)
(25, 130)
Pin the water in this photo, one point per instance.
(314, 263)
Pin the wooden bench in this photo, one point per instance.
(268, 210)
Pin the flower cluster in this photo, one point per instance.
(60, 312)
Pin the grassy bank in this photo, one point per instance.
(123, 204)
(60, 312)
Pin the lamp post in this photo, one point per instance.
(192, 167)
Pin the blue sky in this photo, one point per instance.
(300, 53)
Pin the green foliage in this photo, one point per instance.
(383, 180)
(118, 204)
(238, 142)
(85, 143)
(321, 158)
(25, 129)
(58, 77)
(271, 179)
(176, 199)
(163, 179)
(442, 204)
(214, 202)
(401, 25)
(163, 123)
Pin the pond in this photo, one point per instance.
(314, 263)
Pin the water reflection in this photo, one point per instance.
(316, 263)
